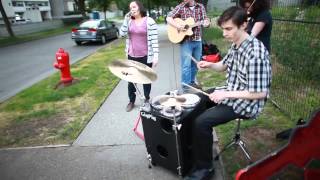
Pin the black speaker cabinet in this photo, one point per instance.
(169, 146)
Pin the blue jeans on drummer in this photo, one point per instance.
(188, 67)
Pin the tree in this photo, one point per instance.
(6, 20)
(82, 7)
(123, 5)
(100, 5)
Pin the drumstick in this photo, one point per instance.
(193, 59)
(198, 90)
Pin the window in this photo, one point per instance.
(17, 4)
(108, 24)
(102, 24)
(90, 24)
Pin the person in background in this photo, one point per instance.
(141, 44)
(260, 22)
(244, 95)
(191, 45)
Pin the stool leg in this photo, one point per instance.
(231, 143)
(244, 150)
(238, 142)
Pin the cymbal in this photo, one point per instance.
(179, 99)
(133, 71)
(171, 102)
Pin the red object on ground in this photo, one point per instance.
(212, 58)
(62, 63)
(135, 129)
(302, 148)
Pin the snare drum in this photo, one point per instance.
(165, 111)
(169, 112)
(155, 103)
(191, 100)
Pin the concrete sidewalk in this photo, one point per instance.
(107, 148)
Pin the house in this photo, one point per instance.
(59, 8)
(7, 5)
(24, 10)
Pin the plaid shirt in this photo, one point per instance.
(249, 69)
(198, 14)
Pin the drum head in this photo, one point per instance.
(155, 103)
(191, 100)
(168, 112)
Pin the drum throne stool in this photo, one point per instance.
(237, 141)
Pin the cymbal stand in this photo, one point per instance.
(176, 128)
(144, 106)
(142, 98)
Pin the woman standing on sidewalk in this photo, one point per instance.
(141, 44)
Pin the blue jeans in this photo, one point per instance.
(188, 67)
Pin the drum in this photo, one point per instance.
(191, 100)
(155, 103)
(165, 111)
(169, 112)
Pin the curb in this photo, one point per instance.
(36, 147)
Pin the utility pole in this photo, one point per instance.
(6, 20)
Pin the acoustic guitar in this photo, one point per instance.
(176, 35)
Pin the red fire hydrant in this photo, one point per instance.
(62, 63)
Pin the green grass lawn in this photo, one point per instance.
(41, 115)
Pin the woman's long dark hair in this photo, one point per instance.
(142, 10)
(257, 7)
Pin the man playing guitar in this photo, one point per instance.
(191, 45)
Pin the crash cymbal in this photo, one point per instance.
(179, 99)
(133, 71)
(171, 102)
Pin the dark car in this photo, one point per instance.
(94, 30)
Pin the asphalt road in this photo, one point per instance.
(23, 65)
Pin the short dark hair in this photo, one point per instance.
(142, 10)
(257, 6)
(234, 13)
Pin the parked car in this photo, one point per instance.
(94, 30)
(20, 20)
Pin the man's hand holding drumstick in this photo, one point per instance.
(204, 65)
(218, 95)
(201, 64)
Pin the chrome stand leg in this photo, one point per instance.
(142, 98)
(176, 128)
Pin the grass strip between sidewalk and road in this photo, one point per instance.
(41, 115)
(6, 41)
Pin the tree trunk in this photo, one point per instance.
(149, 8)
(105, 13)
(6, 20)
(82, 9)
(81, 6)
